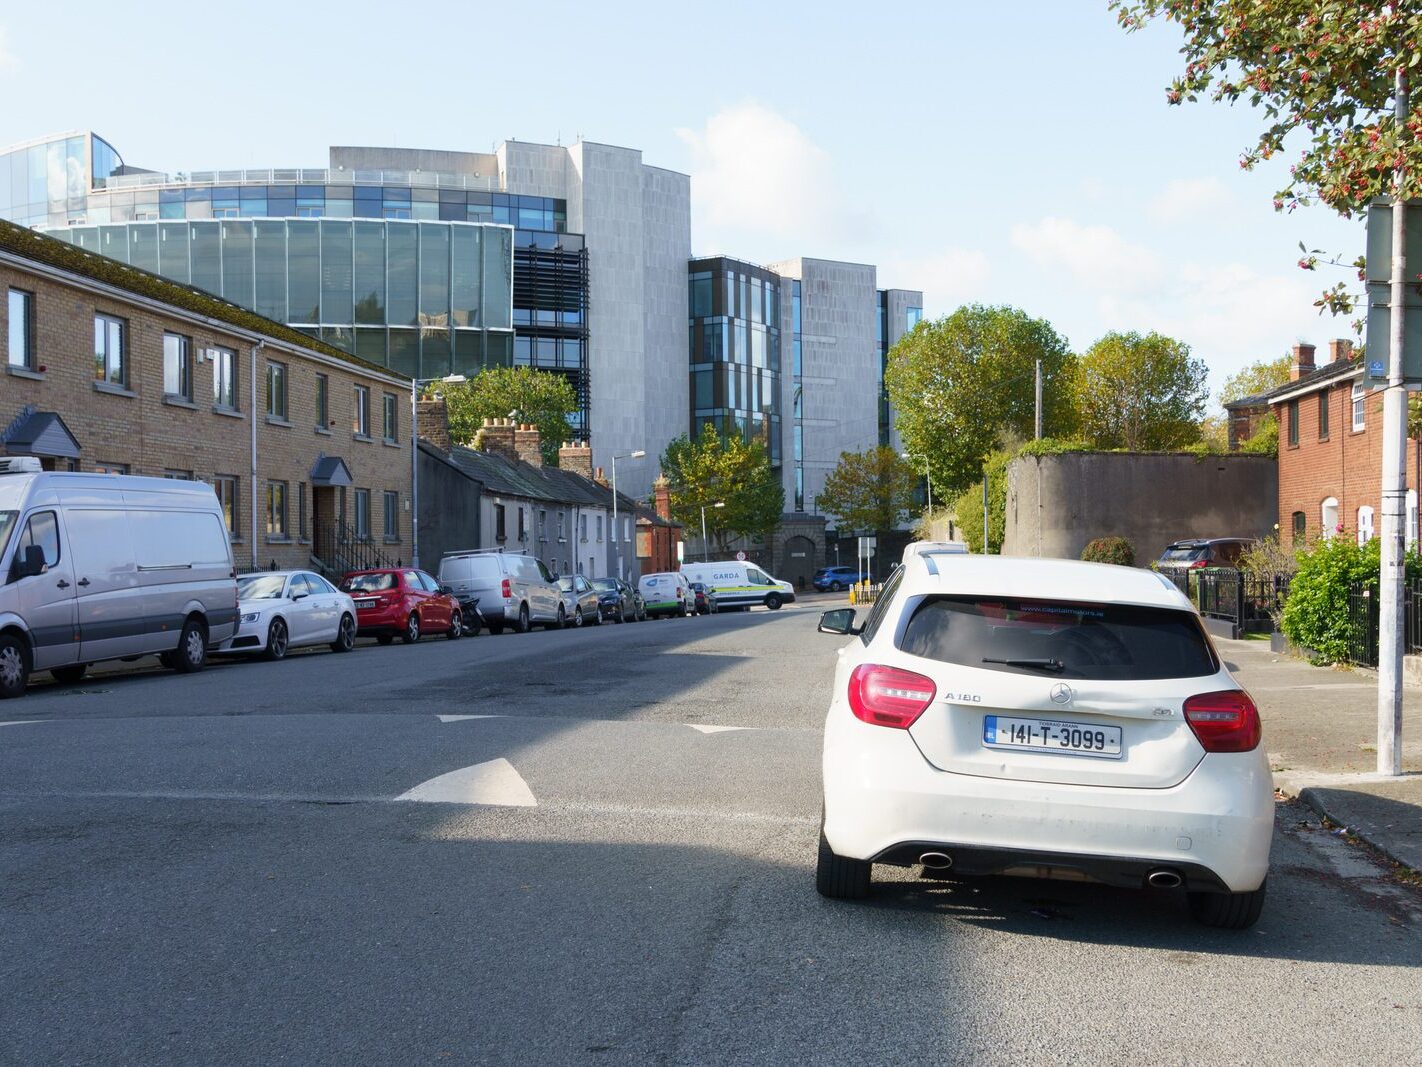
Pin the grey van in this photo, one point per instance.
(512, 589)
(101, 566)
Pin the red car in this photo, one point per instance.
(404, 602)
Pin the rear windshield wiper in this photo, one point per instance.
(1040, 664)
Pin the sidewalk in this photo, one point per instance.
(1320, 730)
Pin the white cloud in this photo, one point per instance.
(1090, 255)
(9, 62)
(755, 171)
(948, 278)
(1192, 200)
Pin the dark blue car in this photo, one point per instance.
(835, 579)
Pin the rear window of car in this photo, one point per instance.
(368, 583)
(1184, 553)
(1056, 639)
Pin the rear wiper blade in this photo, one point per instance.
(1040, 664)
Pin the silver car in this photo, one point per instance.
(282, 610)
(580, 603)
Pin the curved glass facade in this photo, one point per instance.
(423, 298)
(48, 182)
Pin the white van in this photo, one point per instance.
(102, 566)
(667, 594)
(512, 589)
(740, 585)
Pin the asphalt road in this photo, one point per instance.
(588, 867)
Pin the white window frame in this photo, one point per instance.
(1360, 414)
(1366, 531)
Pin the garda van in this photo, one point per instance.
(101, 566)
(740, 585)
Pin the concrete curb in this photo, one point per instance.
(1328, 803)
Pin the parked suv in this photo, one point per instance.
(835, 579)
(1204, 552)
(512, 589)
(403, 602)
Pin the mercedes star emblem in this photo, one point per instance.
(1061, 693)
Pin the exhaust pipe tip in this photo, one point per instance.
(936, 861)
(1164, 878)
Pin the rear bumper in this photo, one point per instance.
(381, 620)
(884, 802)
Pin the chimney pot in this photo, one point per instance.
(1303, 361)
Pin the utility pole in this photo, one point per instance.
(1394, 477)
(1037, 423)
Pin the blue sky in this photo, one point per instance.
(1017, 154)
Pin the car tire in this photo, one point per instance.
(456, 626)
(345, 635)
(564, 622)
(621, 615)
(278, 640)
(524, 624)
(597, 617)
(385, 639)
(411, 634)
(839, 878)
(14, 666)
(835, 587)
(496, 628)
(773, 601)
(69, 673)
(191, 654)
(1228, 911)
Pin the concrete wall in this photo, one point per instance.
(1056, 504)
(449, 510)
(353, 157)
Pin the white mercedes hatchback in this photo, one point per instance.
(1043, 718)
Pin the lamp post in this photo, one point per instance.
(927, 482)
(415, 384)
(616, 540)
(706, 548)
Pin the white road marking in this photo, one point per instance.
(461, 718)
(495, 782)
(715, 729)
(23, 722)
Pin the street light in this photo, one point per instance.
(927, 480)
(706, 548)
(616, 540)
(415, 383)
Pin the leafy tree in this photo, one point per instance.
(1140, 393)
(728, 470)
(1258, 377)
(970, 505)
(1265, 439)
(870, 490)
(539, 397)
(1323, 68)
(958, 382)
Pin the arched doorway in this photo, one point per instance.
(797, 563)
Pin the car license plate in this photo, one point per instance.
(1052, 735)
(364, 604)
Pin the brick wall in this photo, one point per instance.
(151, 434)
(1346, 465)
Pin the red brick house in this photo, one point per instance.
(1330, 451)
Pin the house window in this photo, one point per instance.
(542, 525)
(392, 515)
(224, 378)
(522, 529)
(561, 535)
(177, 475)
(1300, 526)
(1365, 524)
(599, 528)
(583, 528)
(225, 486)
(389, 420)
(177, 366)
(323, 407)
(362, 514)
(276, 390)
(500, 523)
(1328, 517)
(276, 510)
(360, 417)
(627, 530)
(1293, 424)
(1359, 415)
(1323, 415)
(21, 351)
(110, 350)
(110, 468)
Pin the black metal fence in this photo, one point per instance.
(1247, 603)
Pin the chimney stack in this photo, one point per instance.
(1303, 361)
(661, 490)
(576, 456)
(497, 438)
(432, 423)
(1340, 350)
(600, 476)
(526, 444)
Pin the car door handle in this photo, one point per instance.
(83, 581)
(62, 584)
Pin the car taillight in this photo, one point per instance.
(1200, 563)
(1224, 722)
(505, 590)
(887, 696)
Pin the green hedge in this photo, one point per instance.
(1316, 613)
(1115, 550)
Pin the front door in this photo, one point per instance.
(321, 510)
(47, 601)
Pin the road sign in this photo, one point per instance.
(1378, 337)
(741, 555)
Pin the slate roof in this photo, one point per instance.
(1315, 379)
(40, 433)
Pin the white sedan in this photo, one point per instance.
(1043, 718)
(282, 610)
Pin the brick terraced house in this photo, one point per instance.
(110, 368)
(1330, 451)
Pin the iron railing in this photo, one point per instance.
(341, 551)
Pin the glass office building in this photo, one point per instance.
(48, 182)
(735, 349)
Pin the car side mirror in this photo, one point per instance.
(839, 621)
(446, 590)
(30, 563)
(299, 596)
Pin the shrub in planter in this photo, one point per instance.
(1110, 550)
